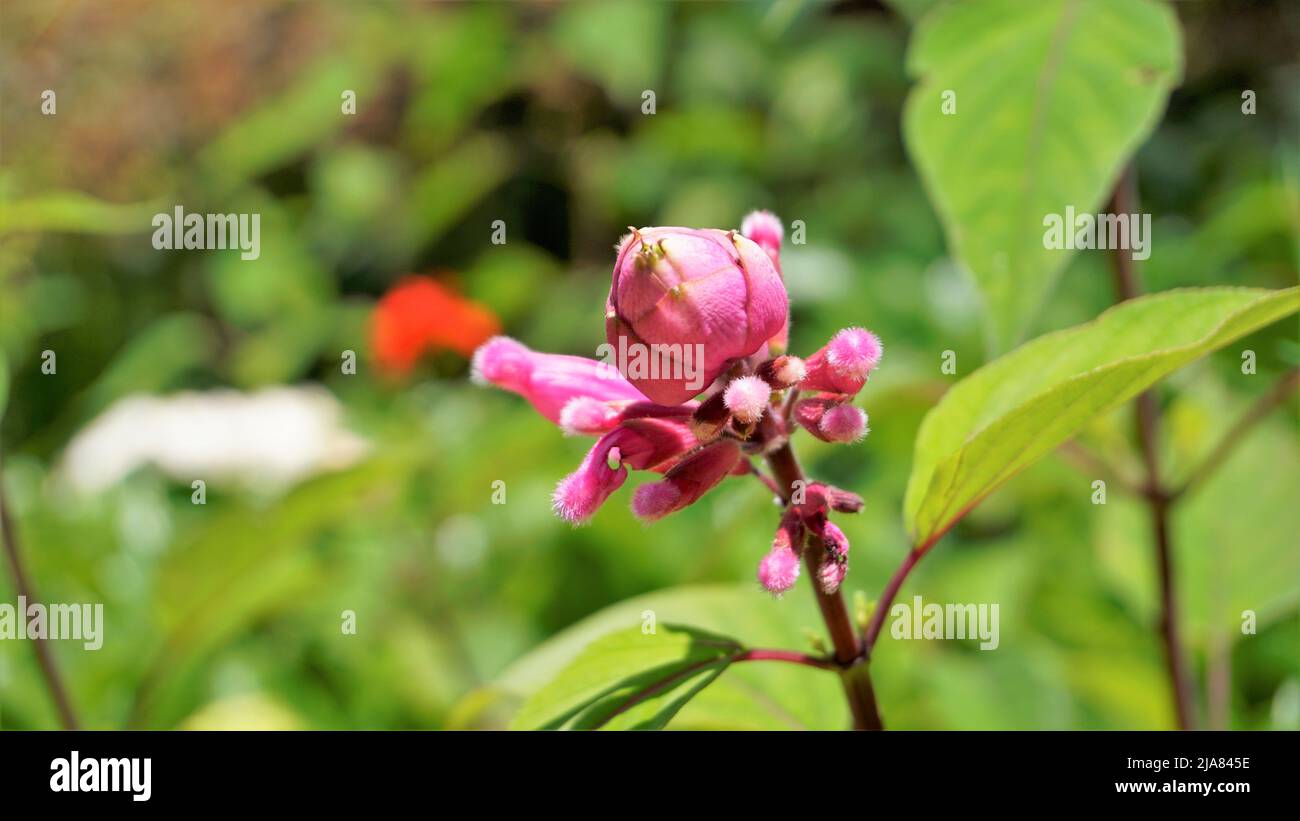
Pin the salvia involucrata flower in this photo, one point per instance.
(711, 308)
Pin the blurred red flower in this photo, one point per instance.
(419, 315)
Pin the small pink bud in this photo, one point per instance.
(844, 501)
(687, 480)
(830, 418)
(844, 363)
(747, 398)
(831, 575)
(549, 381)
(765, 229)
(783, 372)
(844, 423)
(679, 291)
(779, 570)
(835, 563)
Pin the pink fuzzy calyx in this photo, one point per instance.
(830, 418)
(844, 364)
(747, 398)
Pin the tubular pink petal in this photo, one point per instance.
(548, 381)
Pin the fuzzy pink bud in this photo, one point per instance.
(779, 569)
(747, 398)
(835, 563)
(686, 481)
(693, 301)
(550, 381)
(765, 229)
(844, 363)
(830, 418)
(843, 423)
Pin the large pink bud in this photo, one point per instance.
(687, 303)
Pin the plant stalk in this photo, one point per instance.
(850, 654)
(1158, 497)
(23, 583)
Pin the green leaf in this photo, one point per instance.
(629, 679)
(758, 695)
(1051, 99)
(1011, 412)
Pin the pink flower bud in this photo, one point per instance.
(679, 287)
(764, 228)
(686, 481)
(843, 423)
(831, 575)
(549, 381)
(783, 372)
(835, 563)
(830, 418)
(779, 569)
(747, 398)
(637, 443)
(844, 363)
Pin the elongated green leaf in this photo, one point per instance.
(758, 696)
(1011, 412)
(629, 679)
(1050, 98)
(4, 385)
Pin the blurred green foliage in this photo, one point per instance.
(228, 614)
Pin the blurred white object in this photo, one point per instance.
(272, 437)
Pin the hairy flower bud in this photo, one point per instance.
(779, 569)
(835, 563)
(679, 292)
(747, 398)
(830, 418)
(764, 228)
(686, 481)
(844, 363)
(783, 372)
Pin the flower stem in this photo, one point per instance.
(44, 658)
(1158, 497)
(850, 654)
